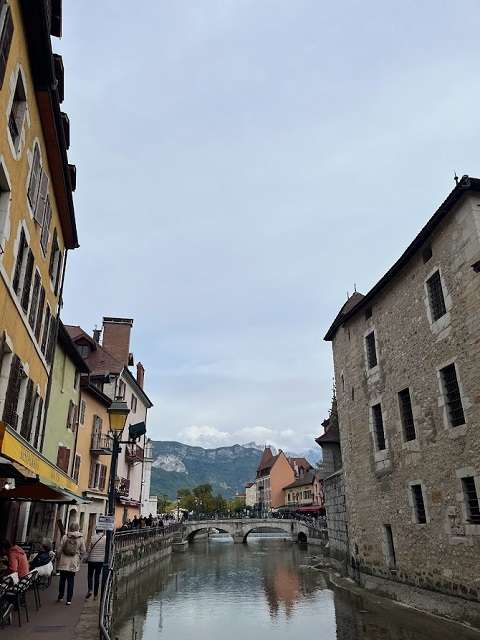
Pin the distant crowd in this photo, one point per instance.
(161, 520)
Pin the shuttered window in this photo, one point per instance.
(471, 500)
(38, 425)
(76, 468)
(46, 226)
(34, 182)
(102, 477)
(378, 428)
(46, 328)
(435, 296)
(71, 408)
(22, 247)
(5, 42)
(453, 398)
(51, 339)
(13, 389)
(371, 350)
(27, 281)
(418, 503)
(63, 458)
(26, 428)
(34, 303)
(38, 323)
(406, 415)
(83, 406)
(55, 262)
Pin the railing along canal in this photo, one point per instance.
(125, 542)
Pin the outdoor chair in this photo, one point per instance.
(6, 605)
(17, 594)
(34, 586)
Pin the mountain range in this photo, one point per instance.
(227, 469)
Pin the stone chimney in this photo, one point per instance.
(116, 338)
(140, 374)
(96, 335)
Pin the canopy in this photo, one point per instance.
(310, 509)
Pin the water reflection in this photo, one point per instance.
(261, 590)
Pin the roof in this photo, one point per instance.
(331, 435)
(70, 349)
(267, 460)
(464, 186)
(302, 481)
(300, 462)
(138, 389)
(249, 485)
(38, 26)
(100, 361)
(88, 387)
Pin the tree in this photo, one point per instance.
(163, 504)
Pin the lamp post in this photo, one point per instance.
(117, 417)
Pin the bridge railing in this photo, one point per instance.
(138, 537)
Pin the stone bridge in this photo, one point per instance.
(240, 528)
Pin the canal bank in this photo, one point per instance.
(270, 590)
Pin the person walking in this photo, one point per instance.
(96, 557)
(72, 549)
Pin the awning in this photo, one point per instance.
(41, 492)
(311, 509)
(32, 464)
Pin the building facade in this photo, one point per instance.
(407, 367)
(305, 493)
(37, 228)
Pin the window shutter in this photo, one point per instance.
(5, 42)
(27, 281)
(63, 458)
(69, 415)
(92, 474)
(76, 468)
(25, 429)
(45, 226)
(51, 339)
(34, 303)
(38, 425)
(82, 411)
(51, 266)
(32, 192)
(41, 304)
(42, 199)
(18, 264)
(13, 388)
(103, 473)
(59, 272)
(46, 328)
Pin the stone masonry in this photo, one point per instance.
(334, 490)
(386, 538)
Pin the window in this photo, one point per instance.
(121, 389)
(371, 350)
(21, 253)
(84, 350)
(55, 262)
(34, 181)
(13, 389)
(435, 296)
(453, 399)
(427, 254)
(133, 403)
(418, 503)
(390, 547)
(26, 426)
(47, 216)
(406, 415)
(38, 323)
(378, 430)
(17, 113)
(76, 467)
(5, 40)
(46, 328)
(63, 458)
(38, 426)
(4, 206)
(353, 393)
(34, 303)
(471, 500)
(27, 281)
(83, 406)
(71, 416)
(98, 474)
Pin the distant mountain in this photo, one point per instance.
(179, 466)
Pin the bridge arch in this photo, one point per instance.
(265, 528)
(191, 534)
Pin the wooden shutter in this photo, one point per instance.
(38, 426)
(51, 266)
(76, 468)
(46, 226)
(63, 458)
(58, 276)
(82, 411)
(91, 477)
(51, 339)
(33, 305)
(103, 475)
(18, 264)
(13, 388)
(5, 42)
(27, 281)
(42, 199)
(25, 429)
(69, 415)
(34, 181)
(46, 328)
(38, 323)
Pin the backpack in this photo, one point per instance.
(70, 547)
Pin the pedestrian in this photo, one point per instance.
(96, 558)
(72, 549)
(16, 557)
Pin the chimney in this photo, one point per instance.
(140, 374)
(96, 335)
(116, 338)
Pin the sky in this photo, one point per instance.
(242, 165)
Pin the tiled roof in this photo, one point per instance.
(267, 460)
(332, 434)
(99, 361)
(301, 462)
(307, 478)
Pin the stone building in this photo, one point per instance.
(407, 371)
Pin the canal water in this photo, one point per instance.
(265, 589)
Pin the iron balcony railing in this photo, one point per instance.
(101, 443)
(122, 486)
(133, 453)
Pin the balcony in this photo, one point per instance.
(101, 444)
(133, 453)
(122, 487)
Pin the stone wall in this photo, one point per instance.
(136, 550)
(334, 488)
(442, 553)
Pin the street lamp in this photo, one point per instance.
(117, 416)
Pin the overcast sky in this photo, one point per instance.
(241, 164)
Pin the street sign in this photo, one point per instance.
(106, 523)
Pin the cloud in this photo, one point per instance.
(211, 437)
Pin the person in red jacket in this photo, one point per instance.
(17, 559)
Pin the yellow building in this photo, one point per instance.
(37, 227)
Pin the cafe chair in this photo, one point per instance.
(34, 586)
(6, 605)
(17, 594)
